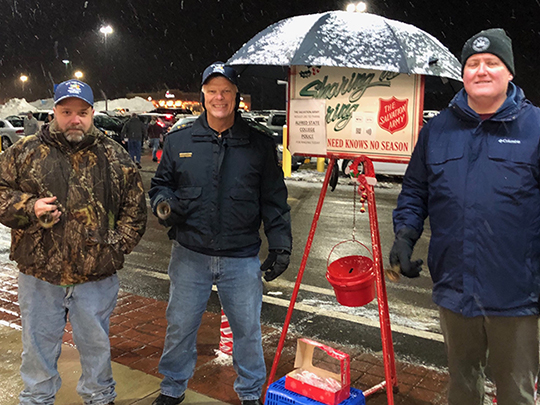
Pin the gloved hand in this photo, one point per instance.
(400, 255)
(275, 264)
(168, 212)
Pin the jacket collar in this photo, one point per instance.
(51, 135)
(515, 100)
(238, 134)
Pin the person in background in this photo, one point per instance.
(135, 132)
(75, 203)
(155, 133)
(30, 124)
(220, 178)
(475, 172)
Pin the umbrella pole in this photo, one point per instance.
(309, 242)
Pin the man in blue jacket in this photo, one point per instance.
(219, 178)
(475, 172)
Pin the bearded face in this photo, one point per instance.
(74, 118)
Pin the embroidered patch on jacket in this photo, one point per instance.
(185, 154)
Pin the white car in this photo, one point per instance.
(183, 122)
(11, 130)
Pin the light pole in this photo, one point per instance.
(106, 30)
(359, 7)
(78, 74)
(66, 62)
(23, 79)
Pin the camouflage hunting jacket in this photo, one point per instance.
(99, 192)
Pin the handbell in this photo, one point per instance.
(163, 210)
(46, 220)
(392, 274)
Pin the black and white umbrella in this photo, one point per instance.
(345, 39)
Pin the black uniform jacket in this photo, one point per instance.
(223, 187)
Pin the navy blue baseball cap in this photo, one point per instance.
(73, 88)
(219, 68)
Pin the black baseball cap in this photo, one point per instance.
(219, 68)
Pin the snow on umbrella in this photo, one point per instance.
(345, 39)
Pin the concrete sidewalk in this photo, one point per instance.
(133, 386)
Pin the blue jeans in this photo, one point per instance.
(134, 149)
(240, 291)
(154, 144)
(44, 310)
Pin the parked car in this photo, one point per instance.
(173, 111)
(110, 126)
(183, 122)
(296, 161)
(41, 116)
(16, 120)
(255, 116)
(429, 114)
(275, 121)
(165, 120)
(11, 130)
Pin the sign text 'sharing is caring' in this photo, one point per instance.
(376, 113)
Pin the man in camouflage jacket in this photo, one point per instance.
(75, 202)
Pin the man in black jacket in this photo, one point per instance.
(218, 179)
(135, 132)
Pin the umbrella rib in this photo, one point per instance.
(303, 48)
(404, 63)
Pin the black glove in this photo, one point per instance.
(275, 264)
(400, 255)
(173, 216)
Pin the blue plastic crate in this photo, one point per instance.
(276, 394)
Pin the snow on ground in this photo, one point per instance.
(15, 106)
(18, 106)
(222, 359)
(5, 243)
(136, 104)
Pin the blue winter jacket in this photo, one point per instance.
(478, 181)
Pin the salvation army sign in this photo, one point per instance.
(393, 114)
(369, 112)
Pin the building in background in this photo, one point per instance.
(174, 99)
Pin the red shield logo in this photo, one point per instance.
(393, 115)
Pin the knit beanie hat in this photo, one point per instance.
(494, 41)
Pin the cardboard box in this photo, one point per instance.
(304, 362)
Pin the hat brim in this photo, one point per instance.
(73, 96)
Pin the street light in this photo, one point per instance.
(106, 30)
(359, 7)
(78, 74)
(23, 79)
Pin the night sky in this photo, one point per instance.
(160, 44)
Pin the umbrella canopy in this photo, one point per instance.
(345, 39)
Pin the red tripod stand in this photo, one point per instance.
(366, 181)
